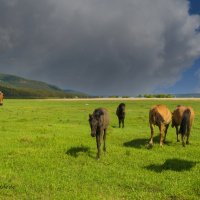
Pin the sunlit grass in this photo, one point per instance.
(46, 152)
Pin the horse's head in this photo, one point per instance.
(93, 124)
(95, 121)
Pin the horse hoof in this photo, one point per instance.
(149, 146)
(178, 140)
(187, 142)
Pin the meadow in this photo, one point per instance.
(46, 152)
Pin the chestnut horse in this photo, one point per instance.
(184, 117)
(160, 116)
(99, 122)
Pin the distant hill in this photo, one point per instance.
(18, 87)
(77, 93)
(190, 95)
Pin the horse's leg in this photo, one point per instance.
(187, 140)
(119, 122)
(183, 142)
(152, 132)
(123, 123)
(162, 130)
(188, 135)
(104, 139)
(98, 145)
(177, 134)
(166, 128)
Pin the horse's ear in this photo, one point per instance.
(90, 116)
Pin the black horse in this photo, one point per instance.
(120, 112)
(99, 122)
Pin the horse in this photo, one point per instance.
(184, 117)
(160, 116)
(1, 98)
(99, 122)
(120, 112)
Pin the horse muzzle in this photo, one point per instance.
(93, 134)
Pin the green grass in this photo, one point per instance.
(46, 152)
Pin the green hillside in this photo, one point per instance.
(18, 87)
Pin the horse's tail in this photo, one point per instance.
(185, 123)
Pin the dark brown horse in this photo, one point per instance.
(99, 122)
(1, 98)
(160, 116)
(184, 117)
(120, 112)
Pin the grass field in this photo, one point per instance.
(46, 152)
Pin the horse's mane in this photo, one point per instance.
(97, 113)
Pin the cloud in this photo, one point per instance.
(99, 46)
(197, 76)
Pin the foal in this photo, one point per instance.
(99, 122)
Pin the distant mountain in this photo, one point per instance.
(189, 95)
(18, 87)
(77, 92)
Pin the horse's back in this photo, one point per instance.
(122, 105)
(179, 113)
(104, 116)
(192, 114)
(120, 112)
(160, 114)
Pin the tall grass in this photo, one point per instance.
(46, 152)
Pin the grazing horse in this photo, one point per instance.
(160, 116)
(99, 122)
(184, 117)
(1, 98)
(120, 112)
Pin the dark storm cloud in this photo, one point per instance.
(99, 46)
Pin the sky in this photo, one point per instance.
(103, 47)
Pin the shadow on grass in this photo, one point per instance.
(175, 164)
(76, 151)
(142, 142)
(136, 143)
(115, 126)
